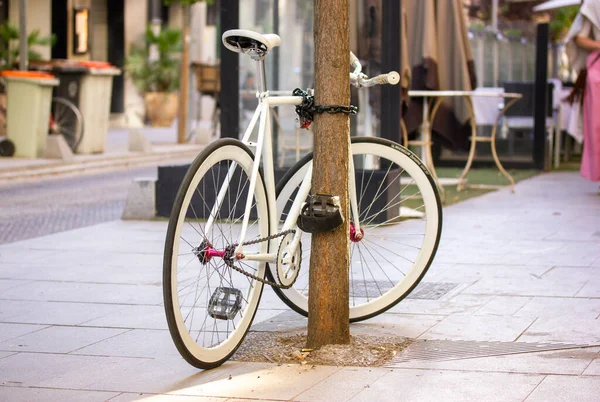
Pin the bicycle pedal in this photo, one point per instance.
(225, 303)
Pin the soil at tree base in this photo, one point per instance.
(289, 347)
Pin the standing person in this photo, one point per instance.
(583, 49)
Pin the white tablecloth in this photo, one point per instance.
(569, 116)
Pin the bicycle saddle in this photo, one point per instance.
(249, 42)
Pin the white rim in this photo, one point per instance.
(213, 354)
(429, 241)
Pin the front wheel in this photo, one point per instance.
(209, 303)
(400, 213)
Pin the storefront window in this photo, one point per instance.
(81, 31)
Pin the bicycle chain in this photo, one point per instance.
(307, 109)
(229, 257)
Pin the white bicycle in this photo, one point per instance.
(231, 230)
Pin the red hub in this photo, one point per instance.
(207, 252)
(354, 235)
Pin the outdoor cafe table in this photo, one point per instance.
(425, 138)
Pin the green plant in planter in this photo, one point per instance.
(161, 74)
(154, 67)
(561, 22)
(9, 44)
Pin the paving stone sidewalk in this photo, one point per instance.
(509, 311)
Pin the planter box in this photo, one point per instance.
(170, 178)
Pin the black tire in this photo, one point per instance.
(200, 181)
(433, 234)
(67, 120)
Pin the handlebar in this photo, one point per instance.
(358, 79)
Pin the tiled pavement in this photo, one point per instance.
(81, 316)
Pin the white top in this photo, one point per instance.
(589, 30)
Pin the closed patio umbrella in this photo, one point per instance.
(441, 59)
(552, 4)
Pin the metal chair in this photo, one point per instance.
(208, 82)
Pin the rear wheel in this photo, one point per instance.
(66, 119)
(400, 213)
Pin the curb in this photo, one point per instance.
(105, 162)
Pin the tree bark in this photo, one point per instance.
(328, 319)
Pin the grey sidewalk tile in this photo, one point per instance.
(565, 362)
(526, 286)
(343, 385)
(132, 397)
(11, 331)
(567, 388)
(478, 328)
(58, 339)
(401, 325)
(23, 394)
(435, 385)
(264, 315)
(134, 343)
(590, 289)
(575, 235)
(594, 367)
(565, 257)
(504, 305)
(61, 371)
(53, 313)
(6, 354)
(95, 272)
(6, 284)
(287, 320)
(102, 236)
(260, 381)
(86, 292)
(565, 273)
(19, 255)
(568, 329)
(468, 273)
(461, 304)
(135, 317)
(134, 258)
(13, 270)
(554, 306)
(165, 375)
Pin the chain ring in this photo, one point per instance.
(284, 281)
(230, 262)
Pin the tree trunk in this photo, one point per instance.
(328, 320)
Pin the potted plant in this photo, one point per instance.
(154, 66)
(9, 44)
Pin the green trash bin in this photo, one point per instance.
(94, 105)
(28, 100)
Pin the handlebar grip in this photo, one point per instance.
(391, 78)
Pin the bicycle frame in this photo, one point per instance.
(264, 150)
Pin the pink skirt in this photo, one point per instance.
(590, 163)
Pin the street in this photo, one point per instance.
(33, 208)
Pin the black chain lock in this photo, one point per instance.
(307, 109)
